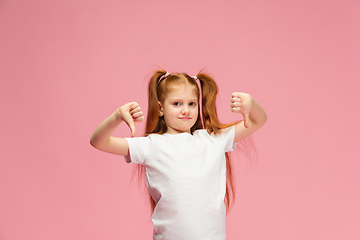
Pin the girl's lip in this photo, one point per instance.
(185, 118)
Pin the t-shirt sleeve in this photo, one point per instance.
(226, 137)
(139, 149)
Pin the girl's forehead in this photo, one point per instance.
(182, 90)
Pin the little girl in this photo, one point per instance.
(184, 152)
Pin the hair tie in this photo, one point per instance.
(164, 76)
(195, 77)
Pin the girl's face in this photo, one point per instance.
(180, 109)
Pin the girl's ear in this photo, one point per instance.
(161, 110)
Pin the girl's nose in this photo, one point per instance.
(185, 110)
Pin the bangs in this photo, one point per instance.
(174, 83)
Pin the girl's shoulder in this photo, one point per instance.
(222, 131)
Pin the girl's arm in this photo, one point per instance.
(101, 138)
(254, 115)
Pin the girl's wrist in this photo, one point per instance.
(252, 101)
(118, 115)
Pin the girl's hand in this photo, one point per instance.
(131, 113)
(242, 103)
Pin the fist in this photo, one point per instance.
(242, 103)
(131, 113)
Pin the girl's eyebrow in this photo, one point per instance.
(180, 99)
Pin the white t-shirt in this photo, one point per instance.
(186, 177)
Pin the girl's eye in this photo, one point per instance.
(176, 104)
(192, 104)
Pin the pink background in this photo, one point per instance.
(66, 65)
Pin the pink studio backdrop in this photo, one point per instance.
(66, 65)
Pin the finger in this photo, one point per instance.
(235, 109)
(235, 95)
(137, 114)
(133, 106)
(135, 110)
(235, 99)
(139, 119)
(235, 105)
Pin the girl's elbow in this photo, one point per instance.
(265, 118)
(263, 121)
(94, 143)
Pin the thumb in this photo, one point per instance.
(130, 122)
(132, 128)
(246, 120)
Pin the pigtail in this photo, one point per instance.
(154, 124)
(153, 118)
(209, 91)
